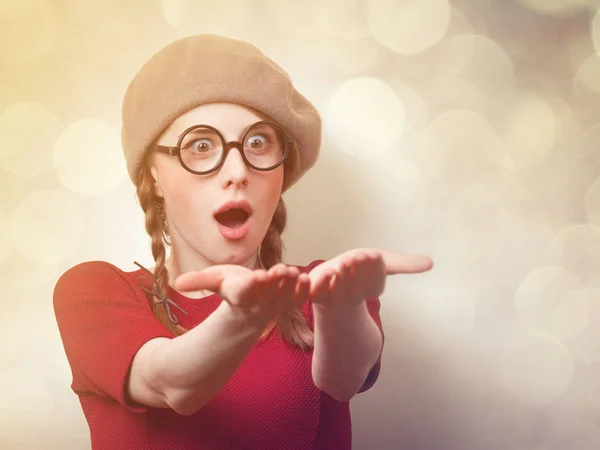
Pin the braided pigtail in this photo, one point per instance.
(156, 226)
(292, 325)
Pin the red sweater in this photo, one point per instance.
(270, 402)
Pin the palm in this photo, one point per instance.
(259, 295)
(348, 278)
(224, 279)
(358, 274)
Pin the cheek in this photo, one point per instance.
(271, 188)
(186, 202)
(269, 194)
(275, 181)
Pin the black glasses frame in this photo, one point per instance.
(227, 146)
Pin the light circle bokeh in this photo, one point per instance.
(365, 118)
(88, 157)
(28, 130)
(31, 26)
(342, 18)
(463, 155)
(47, 226)
(408, 26)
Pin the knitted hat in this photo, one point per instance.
(206, 68)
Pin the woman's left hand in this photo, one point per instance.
(355, 275)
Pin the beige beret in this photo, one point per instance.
(206, 68)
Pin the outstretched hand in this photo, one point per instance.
(355, 275)
(256, 296)
(260, 295)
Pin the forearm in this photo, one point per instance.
(191, 369)
(347, 345)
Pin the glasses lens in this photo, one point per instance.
(201, 149)
(264, 145)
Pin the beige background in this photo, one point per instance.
(466, 130)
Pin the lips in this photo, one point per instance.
(232, 218)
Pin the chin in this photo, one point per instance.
(235, 253)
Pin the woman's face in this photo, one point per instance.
(191, 201)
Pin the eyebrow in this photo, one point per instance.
(246, 128)
(196, 131)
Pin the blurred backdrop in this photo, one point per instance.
(468, 130)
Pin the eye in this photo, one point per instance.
(257, 141)
(200, 145)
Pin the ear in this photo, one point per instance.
(157, 189)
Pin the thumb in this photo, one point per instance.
(210, 278)
(405, 263)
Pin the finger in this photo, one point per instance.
(359, 263)
(374, 265)
(363, 258)
(359, 274)
(287, 286)
(322, 282)
(319, 290)
(209, 278)
(404, 263)
(374, 275)
(270, 287)
(275, 276)
(238, 289)
(339, 284)
(290, 273)
(278, 270)
(261, 280)
(302, 289)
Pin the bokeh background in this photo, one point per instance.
(468, 130)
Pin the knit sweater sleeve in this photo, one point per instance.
(373, 306)
(102, 323)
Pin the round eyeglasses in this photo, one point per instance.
(201, 149)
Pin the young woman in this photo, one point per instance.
(220, 345)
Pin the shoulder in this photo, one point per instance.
(91, 272)
(91, 278)
(88, 268)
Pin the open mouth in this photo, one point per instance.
(232, 218)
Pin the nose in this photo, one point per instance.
(234, 170)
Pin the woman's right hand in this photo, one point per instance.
(255, 296)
